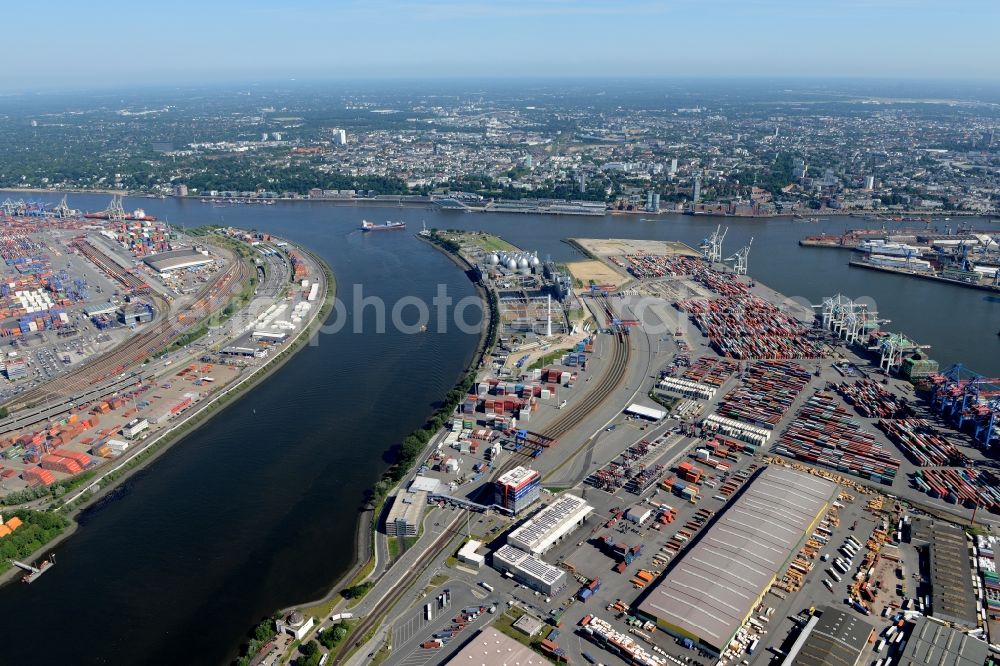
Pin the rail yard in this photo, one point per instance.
(117, 329)
(700, 472)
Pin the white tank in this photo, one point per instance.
(522, 263)
(494, 260)
(535, 261)
(511, 264)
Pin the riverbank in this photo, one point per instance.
(366, 563)
(105, 484)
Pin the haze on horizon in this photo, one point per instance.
(111, 43)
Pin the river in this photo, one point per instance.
(256, 510)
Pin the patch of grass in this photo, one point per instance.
(322, 610)
(492, 243)
(549, 358)
(439, 579)
(505, 625)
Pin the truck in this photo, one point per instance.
(486, 586)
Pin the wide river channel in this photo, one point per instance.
(257, 509)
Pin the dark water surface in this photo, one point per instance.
(257, 510)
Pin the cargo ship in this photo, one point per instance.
(388, 226)
(923, 269)
(138, 215)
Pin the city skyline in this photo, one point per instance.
(187, 42)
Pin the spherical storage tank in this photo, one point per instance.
(494, 260)
(512, 263)
(522, 263)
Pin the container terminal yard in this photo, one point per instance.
(694, 470)
(117, 329)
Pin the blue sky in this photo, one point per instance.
(113, 42)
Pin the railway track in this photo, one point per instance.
(137, 349)
(399, 589)
(566, 421)
(594, 398)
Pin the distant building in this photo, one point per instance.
(673, 166)
(869, 183)
(517, 489)
(180, 190)
(165, 262)
(136, 314)
(652, 202)
(696, 194)
(16, 368)
(406, 513)
(339, 137)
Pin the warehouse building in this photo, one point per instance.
(546, 528)
(945, 549)
(491, 648)
(527, 569)
(933, 644)
(518, 489)
(712, 589)
(833, 638)
(405, 514)
(174, 260)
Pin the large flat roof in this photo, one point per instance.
(933, 644)
(174, 259)
(550, 524)
(838, 639)
(714, 586)
(952, 596)
(408, 506)
(491, 648)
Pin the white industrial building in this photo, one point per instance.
(406, 513)
(294, 624)
(467, 554)
(527, 569)
(132, 429)
(645, 412)
(165, 262)
(639, 513)
(559, 519)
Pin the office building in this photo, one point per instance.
(339, 137)
(406, 513)
(652, 202)
(518, 489)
